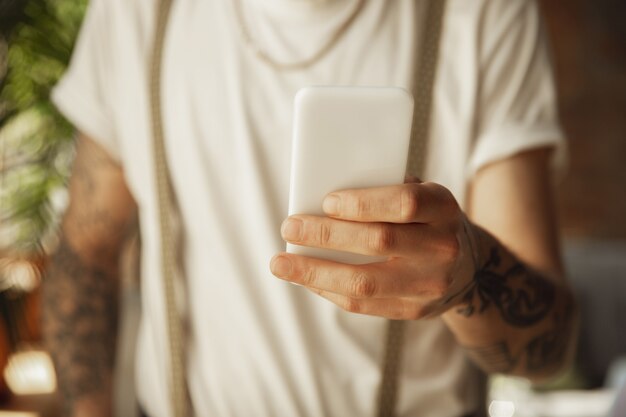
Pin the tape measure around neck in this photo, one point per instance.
(423, 87)
(177, 381)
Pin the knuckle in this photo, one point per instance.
(362, 286)
(307, 275)
(409, 203)
(381, 239)
(324, 233)
(351, 305)
(449, 204)
(413, 312)
(454, 248)
(363, 207)
(451, 248)
(442, 285)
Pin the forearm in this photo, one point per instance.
(511, 318)
(80, 324)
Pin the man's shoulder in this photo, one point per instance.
(124, 30)
(127, 20)
(483, 23)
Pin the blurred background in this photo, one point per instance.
(589, 48)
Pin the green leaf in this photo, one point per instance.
(33, 135)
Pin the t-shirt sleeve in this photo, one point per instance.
(517, 106)
(84, 93)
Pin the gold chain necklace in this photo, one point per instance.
(298, 65)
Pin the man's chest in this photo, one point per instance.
(228, 114)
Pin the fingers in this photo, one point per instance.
(389, 279)
(375, 239)
(390, 308)
(406, 203)
(414, 225)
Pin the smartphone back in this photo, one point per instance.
(346, 137)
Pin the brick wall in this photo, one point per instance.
(589, 46)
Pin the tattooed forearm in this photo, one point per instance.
(81, 287)
(511, 318)
(544, 352)
(522, 296)
(550, 347)
(493, 358)
(80, 319)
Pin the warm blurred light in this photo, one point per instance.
(30, 372)
(19, 275)
(501, 409)
(591, 403)
(60, 197)
(18, 414)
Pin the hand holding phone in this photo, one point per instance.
(346, 138)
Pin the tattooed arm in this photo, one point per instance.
(80, 290)
(501, 292)
(517, 315)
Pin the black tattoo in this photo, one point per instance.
(543, 352)
(522, 296)
(80, 323)
(80, 292)
(550, 347)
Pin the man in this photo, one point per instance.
(492, 287)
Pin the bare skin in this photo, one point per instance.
(80, 290)
(497, 282)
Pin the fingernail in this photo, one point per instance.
(281, 266)
(331, 205)
(292, 230)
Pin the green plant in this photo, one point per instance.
(35, 140)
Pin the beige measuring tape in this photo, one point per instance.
(424, 81)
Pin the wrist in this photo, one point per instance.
(467, 265)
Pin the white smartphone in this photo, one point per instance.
(346, 137)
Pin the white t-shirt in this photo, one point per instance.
(259, 346)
